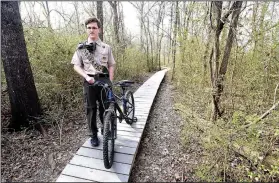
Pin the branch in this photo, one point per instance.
(225, 17)
(275, 93)
(268, 111)
(253, 37)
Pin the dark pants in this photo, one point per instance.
(92, 94)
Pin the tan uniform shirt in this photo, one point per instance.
(92, 63)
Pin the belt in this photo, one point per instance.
(99, 75)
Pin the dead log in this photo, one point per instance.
(268, 111)
(269, 160)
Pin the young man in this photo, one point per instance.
(90, 60)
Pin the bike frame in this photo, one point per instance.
(112, 98)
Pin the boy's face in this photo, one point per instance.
(93, 31)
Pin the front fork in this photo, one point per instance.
(114, 124)
(114, 116)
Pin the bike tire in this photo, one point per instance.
(108, 137)
(130, 105)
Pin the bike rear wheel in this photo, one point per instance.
(109, 136)
(129, 109)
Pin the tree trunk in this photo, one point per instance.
(151, 42)
(147, 46)
(219, 73)
(113, 4)
(216, 26)
(174, 38)
(77, 17)
(101, 18)
(160, 20)
(170, 38)
(48, 16)
(21, 87)
(122, 27)
(254, 27)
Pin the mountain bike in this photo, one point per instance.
(126, 99)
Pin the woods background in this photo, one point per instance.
(224, 60)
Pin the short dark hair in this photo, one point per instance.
(90, 20)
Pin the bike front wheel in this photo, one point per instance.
(109, 136)
(129, 108)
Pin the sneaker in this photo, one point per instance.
(94, 141)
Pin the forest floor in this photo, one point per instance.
(28, 156)
(161, 155)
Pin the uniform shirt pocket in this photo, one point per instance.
(104, 59)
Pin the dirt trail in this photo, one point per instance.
(161, 157)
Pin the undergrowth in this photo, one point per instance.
(238, 146)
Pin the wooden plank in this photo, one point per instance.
(139, 126)
(143, 95)
(117, 148)
(141, 122)
(143, 101)
(98, 164)
(120, 132)
(98, 154)
(145, 105)
(141, 98)
(144, 98)
(129, 129)
(66, 178)
(139, 114)
(134, 125)
(126, 141)
(93, 174)
(142, 112)
(141, 119)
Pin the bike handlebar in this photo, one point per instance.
(124, 83)
(100, 83)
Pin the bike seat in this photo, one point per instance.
(124, 83)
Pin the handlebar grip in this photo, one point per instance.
(96, 83)
(99, 83)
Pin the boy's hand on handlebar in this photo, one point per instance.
(89, 79)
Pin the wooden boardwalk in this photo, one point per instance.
(87, 164)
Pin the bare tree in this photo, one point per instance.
(218, 72)
(170, 37)
(77, 17)
(174, 37)
(113, 5)
(32, 18)
(46, 13)
(160, 18)
(89, 7)
(100, 16)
